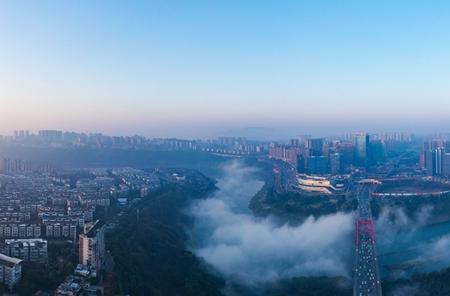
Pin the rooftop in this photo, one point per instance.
(9, 261)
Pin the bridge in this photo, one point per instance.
(366, 281)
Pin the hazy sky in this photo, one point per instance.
(185, 68)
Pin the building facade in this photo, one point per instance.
(92, 246)
(361, 149)
(34, 250)
(10, 271)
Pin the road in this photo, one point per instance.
(366, 280)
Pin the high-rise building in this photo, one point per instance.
(301, 165)
(376, 152)
(361, 149)
(447, 146)
(51, 135)
(422, 161)
(92, 246)
(434, 161)
(429, 163)
(294, 142)
(336, 164)
(287, 154)
(446, 164)
(317, 165)
(347, 151)
(315, 147)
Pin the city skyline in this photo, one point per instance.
(204, 69)
(26, 134)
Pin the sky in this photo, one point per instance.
(208, 68)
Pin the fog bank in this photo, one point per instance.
(253, 250)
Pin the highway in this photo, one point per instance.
(366, 280)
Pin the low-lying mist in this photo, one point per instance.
(411, 243)
(394, 221)
(251, 250)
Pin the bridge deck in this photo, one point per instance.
(366, 273)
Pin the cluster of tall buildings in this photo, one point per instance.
(57, 138)
(8, 165)
(13, 166)
(321, 156)
(435, 158)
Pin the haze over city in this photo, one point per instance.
(199, 69)
(224, 148)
